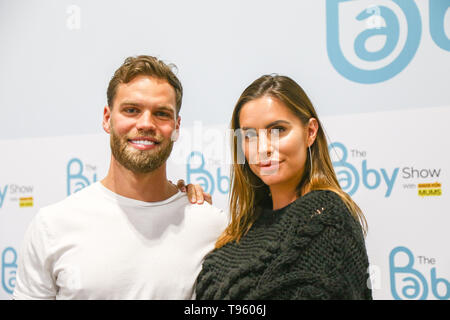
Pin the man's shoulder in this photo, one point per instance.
(205, 207)
(207, 213)
(182, 199)
(79, 199)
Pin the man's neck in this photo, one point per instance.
(148, 187)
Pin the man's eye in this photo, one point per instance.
(162, 114)
(130, 110)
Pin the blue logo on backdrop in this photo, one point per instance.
(204, 177)
(76, 180)
(3, 194)
(438, 9)
(9, 267)
(416, 285)
(349, 177)
(390, 29)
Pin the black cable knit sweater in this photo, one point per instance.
(311, 249)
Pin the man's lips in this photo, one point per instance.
(143, 143)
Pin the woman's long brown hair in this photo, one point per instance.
(248, 193)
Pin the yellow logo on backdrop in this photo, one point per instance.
(429, 189)
(26, 202)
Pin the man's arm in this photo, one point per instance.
(34, 276)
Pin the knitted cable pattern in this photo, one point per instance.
(313, 249)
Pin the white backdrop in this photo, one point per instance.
(376, 70)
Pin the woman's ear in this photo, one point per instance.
(312, 130)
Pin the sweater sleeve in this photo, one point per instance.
(324, 259)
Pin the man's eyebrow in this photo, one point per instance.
(171, 109)
(130, 103)
(137, 104)
(274, 123)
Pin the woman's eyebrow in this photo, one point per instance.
(277, 122)
(269, 125)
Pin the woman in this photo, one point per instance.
(294, 233)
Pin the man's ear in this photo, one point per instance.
(313, 129)
(107, 119)
(176, 132)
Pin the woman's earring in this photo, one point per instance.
(310, 158)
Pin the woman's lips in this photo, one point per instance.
(268, 163)
(269, 166)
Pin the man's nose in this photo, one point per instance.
(145, 122)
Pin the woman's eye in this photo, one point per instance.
(277, 130)
(249, 134)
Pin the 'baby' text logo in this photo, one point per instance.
(197, 173)
(350, 177)
(3, 191)
(20, 194)
(438, 11)
(388, 38)
(425, 180)
(410, 282)
(9, 267)
(79, 176)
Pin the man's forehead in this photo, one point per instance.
(144, 90)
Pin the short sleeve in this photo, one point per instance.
(34, 276)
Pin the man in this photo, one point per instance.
(133, 235)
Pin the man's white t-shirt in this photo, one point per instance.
(96, 244)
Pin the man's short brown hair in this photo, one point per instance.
(144, 65)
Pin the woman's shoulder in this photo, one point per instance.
(317, 202)
(319, 209)
(318, 196)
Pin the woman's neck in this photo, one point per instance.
(281, 197)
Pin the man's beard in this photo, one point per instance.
(139, 161)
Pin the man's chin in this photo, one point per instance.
(141, 167)
(144, 161)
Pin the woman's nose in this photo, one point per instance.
(264, 144)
